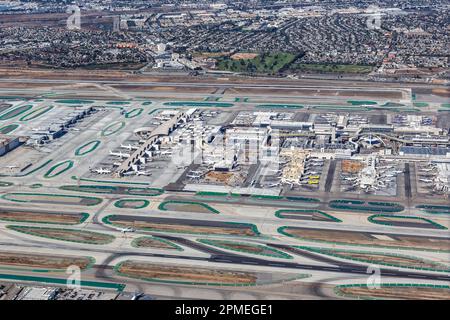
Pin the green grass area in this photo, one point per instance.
(74, 101)
(330, 68)
(434, 209)
(118, 103)
(148, 192)
(8, 128)
(301, 199)
(247, 248)
(266, 197)
(138, 203)
(46, 198)
(373, 219)
(280, 214)
(163, 205)
(263, 63)
(112, 128)
(9, 114)
(348, 201)
(357, 205)
(96, 284)
(445, 105)
(36, 113)
(12, 98)
(377, 258)
(359, 103)
(69, 235)
(59, 169)
(421, 104)
(87, 148)
(134, 113)
(211, 193)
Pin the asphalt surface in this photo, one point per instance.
(408, 192)
(330, 176)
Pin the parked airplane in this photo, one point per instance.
(427, 169)
(129, 147)
(273, 185)
(143, 173)
(102, 171)
(119, 154)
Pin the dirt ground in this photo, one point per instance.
(351, 166)
(147, 242)
(68, 235)
(186, 207)
(399, 293)
(41, 261)
(241, 246)
(405, 220)
(41, 217)
(242, 55)
(185, 228)
(384, 258)
(368, 239)
(194, 274)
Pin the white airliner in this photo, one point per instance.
(143, 173)
(125, 230)
(129, 147)
(427, 169)
(102, 171)
(119, 154)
